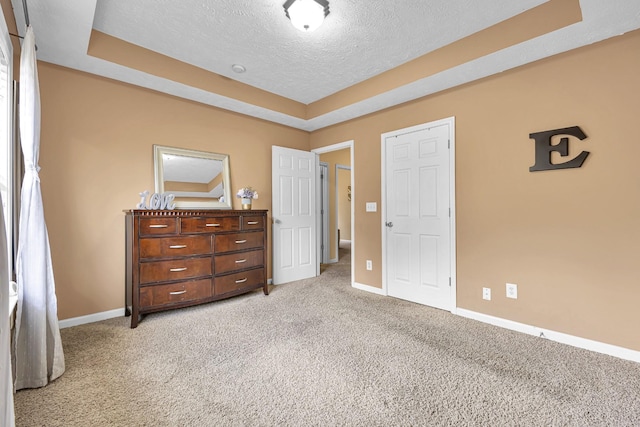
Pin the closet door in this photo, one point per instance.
(417, 206)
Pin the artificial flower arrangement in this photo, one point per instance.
(247, 193)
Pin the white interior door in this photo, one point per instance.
(418, 227)
(294, 214)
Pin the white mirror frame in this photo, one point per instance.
(206, 203)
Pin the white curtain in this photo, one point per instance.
(38, 347)
(7, 417)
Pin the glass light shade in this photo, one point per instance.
(306, 15)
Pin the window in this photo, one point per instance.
(8, 177)
(5, 144)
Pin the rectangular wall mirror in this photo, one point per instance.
(198, 179)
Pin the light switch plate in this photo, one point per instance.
(372, 206)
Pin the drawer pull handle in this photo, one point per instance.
(241, 241)
(212, 225)
(177, 246)
(241, 280)
(252, 222)
(158, 226)
(240, 261)
(174, 270)
(177, 293)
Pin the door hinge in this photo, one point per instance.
(449, 212)
(449, 143)
(449, 281)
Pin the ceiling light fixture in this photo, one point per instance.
(238, 68)
(306, 15)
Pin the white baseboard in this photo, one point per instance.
(599, 347)
(369, 288)
(90, 318)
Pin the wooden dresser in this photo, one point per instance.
(178, 258)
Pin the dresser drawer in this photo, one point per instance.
(159, 295)
(238, 241)
(209, 224)
(239, 261)
(252, 222)
(237, 281)
(180, 269)
(156, 226)
(169, 247)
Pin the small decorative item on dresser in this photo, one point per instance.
(156, 201)
(247, 194)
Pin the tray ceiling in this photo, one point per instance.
(313, 80)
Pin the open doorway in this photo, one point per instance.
(336, 208)
(343, 207)
(324, 213)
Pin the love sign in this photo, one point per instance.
(156, 201)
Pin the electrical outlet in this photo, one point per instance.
(486, 294)
(369, 265)
(512, 291)
(371, 206)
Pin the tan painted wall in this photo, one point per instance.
(97, 154)
(333, 158)
(570, 239)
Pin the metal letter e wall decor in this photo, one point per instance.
(544, 148)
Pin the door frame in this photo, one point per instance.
(327, 149)
(452, 200)
(324, 212)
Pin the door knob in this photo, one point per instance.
(389, 224)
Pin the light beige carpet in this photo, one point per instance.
(319, 353)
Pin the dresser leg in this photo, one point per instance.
(265, 289)
(135, 319)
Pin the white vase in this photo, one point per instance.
(246, 203)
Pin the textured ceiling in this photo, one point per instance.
(359, 40)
